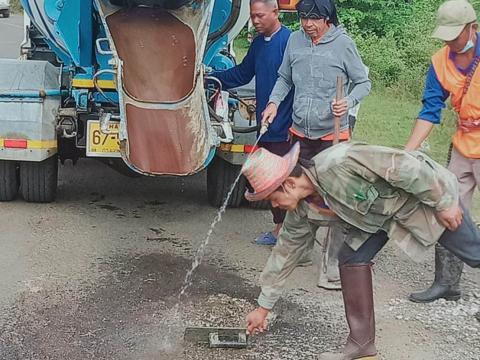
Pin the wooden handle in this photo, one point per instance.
(337, 119)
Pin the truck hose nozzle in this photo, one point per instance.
(264, 128)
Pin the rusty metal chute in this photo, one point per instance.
(165, 127)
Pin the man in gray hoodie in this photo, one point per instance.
(314, 57)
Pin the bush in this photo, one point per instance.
(378, 17)
(397, 49)
(382, 57)
(15, 5)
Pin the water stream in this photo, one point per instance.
(174, 318)
(201, 249)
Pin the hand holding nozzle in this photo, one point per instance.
(264, 128)
(268, 116)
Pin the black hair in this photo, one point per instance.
(295, 173)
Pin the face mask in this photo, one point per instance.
(469, 45)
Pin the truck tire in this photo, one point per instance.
(38, 180)
(220, 177)
(6, 13)
(8, 180)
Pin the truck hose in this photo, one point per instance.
(246, 130)
(237, 129)
(98, 88)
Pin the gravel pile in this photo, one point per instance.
(300, 328)
(219, 310)
(454, 325)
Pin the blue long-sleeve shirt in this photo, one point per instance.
(263, 60)
(434, 95)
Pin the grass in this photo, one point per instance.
(386, 119)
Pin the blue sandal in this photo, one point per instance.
(266, 239)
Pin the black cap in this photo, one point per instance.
(318, 9)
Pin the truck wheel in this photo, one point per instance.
(38, 180)
(6, 13)
(8, 180)
(220, 177)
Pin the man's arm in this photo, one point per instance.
(434, 97)
(239, 75)
(294, 239)
(284, 82)
(358, 75)
(420, 132)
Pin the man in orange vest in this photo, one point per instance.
(453, 73)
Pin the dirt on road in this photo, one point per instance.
(96, 275)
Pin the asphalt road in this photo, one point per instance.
(61, 264)
(96, 275)
(11, 35)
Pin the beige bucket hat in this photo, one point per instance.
(452, 16)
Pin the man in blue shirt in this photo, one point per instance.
(262, 61)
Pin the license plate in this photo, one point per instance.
(100, 144)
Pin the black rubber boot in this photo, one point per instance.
(446, 285)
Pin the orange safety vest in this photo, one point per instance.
(467, 137)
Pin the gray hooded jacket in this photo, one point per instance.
(313, 70)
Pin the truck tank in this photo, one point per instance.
(131, 87)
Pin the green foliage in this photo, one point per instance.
(382, 57)
(290, 19)
(240, 47)
(393, 39)
(15, 5)
(377, 17)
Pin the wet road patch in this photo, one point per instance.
(133, 312)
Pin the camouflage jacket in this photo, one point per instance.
(370, 188)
